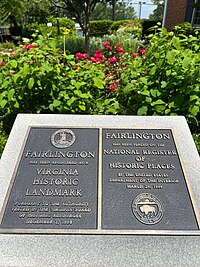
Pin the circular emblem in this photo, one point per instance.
(63, 138)
(147, 208)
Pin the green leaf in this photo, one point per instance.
(145, 92)
(31, 82)
(170, 57)
(71, 101)
(128, 88)
(47, 67)
(11, 94)
(82, 107)
(186, 62)
(142, 111)
(13, 63)
(79, 84)
(194, 110)
(155, 92)
(176, 42)
(98, 83)
(16, 105)
(163, 84)
(25, 70)
(144, 80)
(152, 71)
(158, 102)
(15, 77)
(55, 104)
(3, 102)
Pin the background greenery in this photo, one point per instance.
(124, 73)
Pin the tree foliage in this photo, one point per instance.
(19, 13)
(158, 12)
(103, 11)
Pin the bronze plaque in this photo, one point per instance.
(99, 181)
(55, 185)
(143, 182)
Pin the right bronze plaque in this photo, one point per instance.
(144, 185)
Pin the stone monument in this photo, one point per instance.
(101, 178)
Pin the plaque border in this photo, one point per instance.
(99, 230)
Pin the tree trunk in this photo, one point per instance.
(87, 32)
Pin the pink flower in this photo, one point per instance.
(2, 64)
(120, 50)
(141, 51)
(79, 55)
(98, 60)
(117, 81)
(113, 87)
(117, 45)
(134, 55)
(108, 75)
(112, 59)
(108, 47)
(98, 51)
(106, 43)
(99, 55)
(85, 55)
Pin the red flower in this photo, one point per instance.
(75, 67)
(141, 51)
(108, 47)
(29, 47)
(112, 59)
(79, 55)
(98, 51)
(134, 55)
(2, 64)
(85, 55)
(106, 43)
(98, 60)
(113, 87)
(120, 50)
(98, 55)
(117, 45)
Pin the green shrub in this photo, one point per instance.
(148, 26)
(3, 139)
(73, 44)
(100, 27)
(67, 27)
(183, 29)
(165, 81)
(196, 138)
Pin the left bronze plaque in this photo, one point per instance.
(55, 183)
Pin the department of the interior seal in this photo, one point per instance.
(63, 138)
(147, 208)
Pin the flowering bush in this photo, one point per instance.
(161, 79)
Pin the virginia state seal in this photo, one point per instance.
(63, 138)
(147, 208)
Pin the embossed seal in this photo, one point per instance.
(63, 138)
(147, 208)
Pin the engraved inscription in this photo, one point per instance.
(56, 181)
(142, 176)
